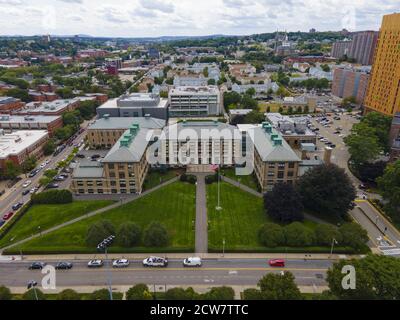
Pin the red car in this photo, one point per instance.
(277, 263)
(8, 216)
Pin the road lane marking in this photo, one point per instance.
(201, 269)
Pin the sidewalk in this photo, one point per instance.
(181, 256)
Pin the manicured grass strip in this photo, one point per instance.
(42, 217)
(173, 206)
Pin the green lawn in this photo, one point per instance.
(238, 223)
(155, 178)
(173, 206)
(249, 180)
(48, 216)
(239, 220)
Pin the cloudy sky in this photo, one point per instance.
(143, 18)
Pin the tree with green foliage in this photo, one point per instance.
(49, 147)
(326, 190)
(5, 293)
(279, 287)
(298, 235)
(219, 293)
(65, 93)
(181, 294)
(21, 94)
(252, 294)
(68, 295)
(271, 235)
(254, 117)
(129, 235)
(99, 231)
(101, 294)
(247, 102)
(325, 233)
(231, 98)
(377, 277)
(139, 292)
(251, 92)
(284, 203)
(11, 170)
(156, 235)
(29, 164)
(354, 236)
(30, 295)
(389, 185)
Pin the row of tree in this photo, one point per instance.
(296, 234)
(128, 235)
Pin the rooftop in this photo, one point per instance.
(16, 142)
(27, 119)
(4, 100)
(191, 90)
(130, 147)
(54, 106)
(124, 123)
(89, 170)
(271, 146)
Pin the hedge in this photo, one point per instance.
(53, 197)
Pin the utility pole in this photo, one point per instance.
(104, 245)
(333, 244)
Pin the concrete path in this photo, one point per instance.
(242, 186)
(91, 214)
(201, 215)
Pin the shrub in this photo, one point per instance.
(192, 179)
(30, 295)
(298, 235)
(156, 235)
(183, 178)
(98, 231)
(53, 197)
(180, 294)
(219, 293)
(271, 235)
(353, 235)
(139, 292)
(325, 233)
(5, 293)
(129, 235)
(212, 179)
(102, 294)
(252, 294)
(68, 294)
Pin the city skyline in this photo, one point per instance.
(155, 18)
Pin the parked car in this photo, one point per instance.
(64, 266)
(81, 156)
(33, 173)
(155, 262)
(52, 186)
(59, 178)
(34, 190)
(16, 206)
(96, 156)
(37, 266)
(2, 222)
(95, 264)
(277, 263)
(27, 184)
(362, 186)
(25, 192)
(192, 262)
(121, 263)
(7, 216)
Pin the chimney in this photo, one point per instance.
(328, 155)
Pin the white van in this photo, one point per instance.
(192, 262)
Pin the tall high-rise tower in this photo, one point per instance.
(383, 93)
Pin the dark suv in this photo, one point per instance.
(37, 266)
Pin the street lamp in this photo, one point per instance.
(333, 244)
(104, 245)
(33, 284)
(223, 248)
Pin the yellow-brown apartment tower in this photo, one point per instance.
(383, 94)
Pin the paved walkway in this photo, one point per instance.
(201, 215)
(91, 214)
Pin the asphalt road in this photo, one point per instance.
(8, 200)
(245, 272)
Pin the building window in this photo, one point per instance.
(291, 165)
(281, 175)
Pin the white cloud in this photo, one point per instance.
(135, 18)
